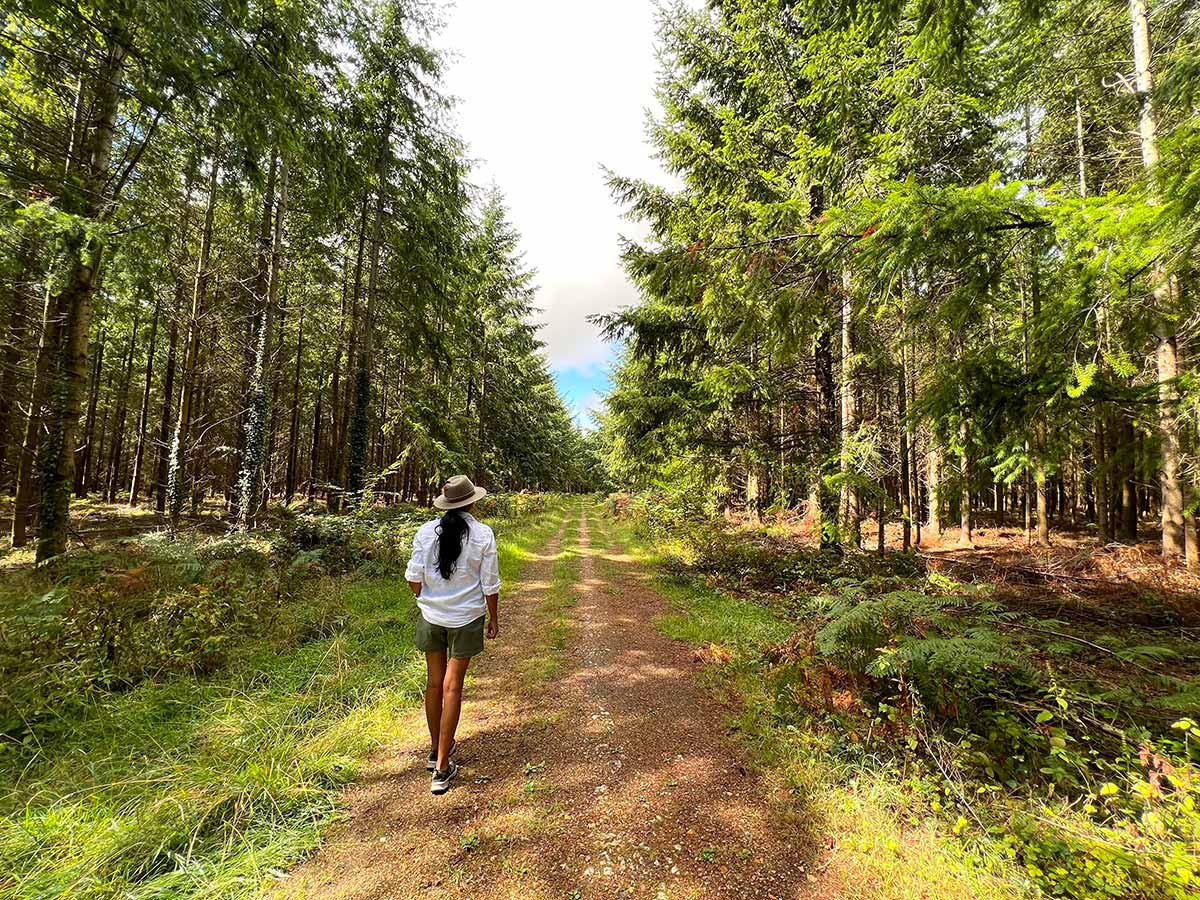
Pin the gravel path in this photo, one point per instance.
(613, 780)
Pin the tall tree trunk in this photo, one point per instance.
(1167, 355)
(362, 384)
(25, 501)
(266, 284)
(114, 465)
(827, 428)
(934, 480)
(850, 506)
(15, 348)
(1129, 499)
(177, 457)
(1100, 482)
(83, 262)
(965, 506)
(342, 411)
(905, 509)
(294, 430)
(144, 416)
(83, 465)
(314, 453)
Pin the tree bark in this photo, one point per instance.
(905, 508)
(266, 284)
(84, 259)
(850, 506)
(118, 444)
(15, 347)
(139, 452)
(177, 456)
(84, 463)
(362, 383)
(294, 430)
(1167, 355)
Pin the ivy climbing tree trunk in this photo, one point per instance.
(266, 284)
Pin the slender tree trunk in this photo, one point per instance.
(294, 430)
(934, 480)
(15, 347)
(177, 458)
(266, 285)
(362, 386)
(343, 409)
(314, 453)
(965, 505)
(850, 505)
(114, 464)
(139, 453)
(1129, 499)
(25, 501)
(1100, 482)
(84, 464)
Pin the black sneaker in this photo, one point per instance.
(441, 780)
(431, 760)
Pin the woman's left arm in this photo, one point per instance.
(489, 580)
(414, 572)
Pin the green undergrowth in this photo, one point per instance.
(194, 783)
(940, 743)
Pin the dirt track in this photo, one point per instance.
(615, 779)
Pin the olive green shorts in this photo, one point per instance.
(459, 643)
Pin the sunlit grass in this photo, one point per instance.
(544, 661)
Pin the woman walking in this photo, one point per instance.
(454, 573)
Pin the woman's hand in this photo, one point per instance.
(493, 628)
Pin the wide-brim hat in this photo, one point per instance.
(459, 491)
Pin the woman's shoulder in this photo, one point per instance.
(482, 530)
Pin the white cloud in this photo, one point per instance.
(550, 92)
(572, 342)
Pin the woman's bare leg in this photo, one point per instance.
(451, 706)
(435, 674)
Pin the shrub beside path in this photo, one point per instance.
(605, 775)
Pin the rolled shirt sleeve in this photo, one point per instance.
(489, 571)
(415, 570)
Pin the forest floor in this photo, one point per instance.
(594, 764)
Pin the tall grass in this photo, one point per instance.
(205, 787)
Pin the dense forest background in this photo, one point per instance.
(902, 451)
(930, 264)
(242, 261)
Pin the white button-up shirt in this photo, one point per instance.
(458, 600)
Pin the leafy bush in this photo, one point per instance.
(512, 505)
(103, 621)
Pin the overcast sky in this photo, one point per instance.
(549, 92)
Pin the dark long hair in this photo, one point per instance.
(451, 533)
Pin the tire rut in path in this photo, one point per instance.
(614, 780)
